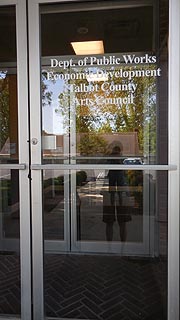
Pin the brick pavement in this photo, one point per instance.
(10, 293)
(105, 287)
(92, 287)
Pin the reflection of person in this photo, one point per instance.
(114, 208)
(116, 177)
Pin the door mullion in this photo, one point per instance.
(36, 182)
(23, 137)
(174, 152)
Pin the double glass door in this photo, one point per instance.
(89, 115)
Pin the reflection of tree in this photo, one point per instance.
(140, 116)
(4, 108)
(92, 144)
(97, 112)
(46, 94)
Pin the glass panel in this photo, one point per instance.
(54, 204)
(9, 186)
(101, 100)
(55, 127)
(81, 286)
(107, 107)
(111, 205)
(10, 302)
(9, 179)
(8, 88)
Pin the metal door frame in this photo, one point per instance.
(23, 166)
(174, 158)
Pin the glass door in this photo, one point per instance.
(99, 110)
(101, 159)
(94, 104)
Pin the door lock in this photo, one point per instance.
(34, 141)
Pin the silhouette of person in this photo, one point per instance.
(116, 177)
(114, 208)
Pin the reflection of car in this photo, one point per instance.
(132, 161)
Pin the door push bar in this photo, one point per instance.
(13, 166)
(145, 167)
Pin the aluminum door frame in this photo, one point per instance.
(174, 157)
(23, 166)
(122, 248)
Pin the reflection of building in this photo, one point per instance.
(128, 140)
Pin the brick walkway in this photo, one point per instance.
(92, 287)
(10, 293)
(105, 287)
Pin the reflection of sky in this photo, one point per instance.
(3, 74)
(52, 121)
